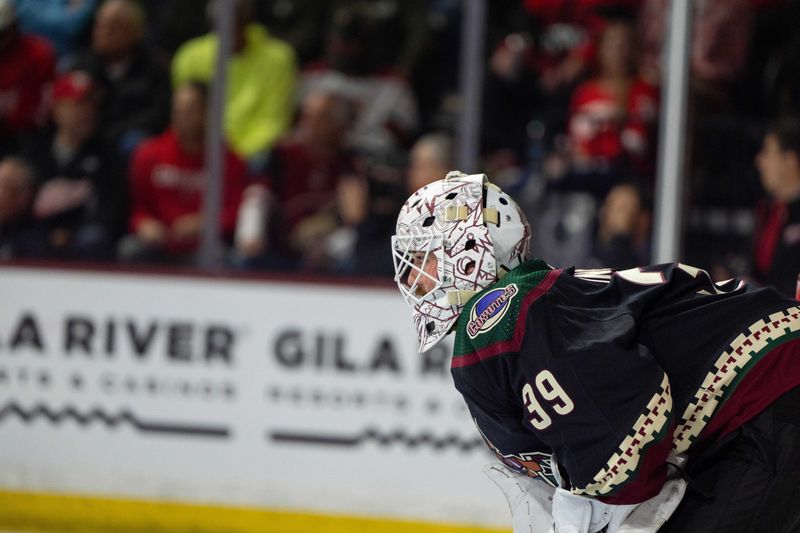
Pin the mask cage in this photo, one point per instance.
(404, 247)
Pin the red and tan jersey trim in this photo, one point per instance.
(740, 355)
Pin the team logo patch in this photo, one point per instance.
(533, 464)
(489, 310)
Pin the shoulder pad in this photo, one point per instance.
(491, 315)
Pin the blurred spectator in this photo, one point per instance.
(612, 119)
(387, 109)
(300, 24)
(173, 22)
(611, 112)
(610, 139)
(20, 235)
(777, 238)
(719, 50)
(510, 97)
(261, 82)
(565, 46)
(167, 182)
(61, 22)
(81, 197)
(622, 239)
(305, 169)
(431, 158)
(721, 45)
(368, 204)
(651, 24)
(401, 23)
(401, 27)
(27, 66)
(563, 227)
(135, 88)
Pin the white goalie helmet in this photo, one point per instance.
(454, 238)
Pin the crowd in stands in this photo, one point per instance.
(336, 110)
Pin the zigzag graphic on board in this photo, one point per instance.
(398, 437)
(85, 419)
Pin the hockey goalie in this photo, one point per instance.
(650, 399)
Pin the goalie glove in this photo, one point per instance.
(529, 499)
(579, 514)
(651, 514)
(536, 507)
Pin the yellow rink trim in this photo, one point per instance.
(26, 511)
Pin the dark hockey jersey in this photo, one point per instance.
(609, 372)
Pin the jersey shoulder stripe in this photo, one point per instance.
(493, 321)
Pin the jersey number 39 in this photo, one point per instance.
(550, 391)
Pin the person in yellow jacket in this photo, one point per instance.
(262, 74)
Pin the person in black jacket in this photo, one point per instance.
(777, 240)
(623, 227)
(20, 235)
(134, 87)
(81, 194)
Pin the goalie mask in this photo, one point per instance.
(454, 238)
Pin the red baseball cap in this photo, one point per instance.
(73, 86)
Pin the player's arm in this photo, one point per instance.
(499, 422)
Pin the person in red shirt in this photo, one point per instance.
(612, 122)
(27, 67)
(167, 180)
(611, 112)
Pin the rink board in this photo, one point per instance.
(262, 395)
(71, 514)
